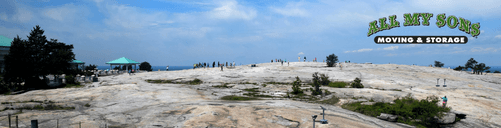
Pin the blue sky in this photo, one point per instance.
(170, 32)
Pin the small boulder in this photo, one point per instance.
(448, 118)
(368, 103)
(387, 117)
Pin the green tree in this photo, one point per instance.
(295, 86)
(497, 71)
(357, 83)
(480, 68)
(316, 83)
(439, 64)
(145, 66)
(459, 68)
(331, 60)
(470, 64)
(36, 57)
(91, 67)
(324, 79)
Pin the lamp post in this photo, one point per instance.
(437, 82)
(314, 117)
(445, 84)
(323, 116)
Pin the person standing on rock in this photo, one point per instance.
(233, 63)
(221, 67)
(445, 101)
(304, 58)
(213, 64)
(299, 58)
(282, 63)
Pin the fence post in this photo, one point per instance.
(80, 124)
(34, 123)
(57, 123)
(17, 126)
(9, 121)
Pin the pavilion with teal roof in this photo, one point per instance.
(123, 61)
(77, 63)
(5, 44)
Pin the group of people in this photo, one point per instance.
(304, 60)
(207, 65)
(281, 61)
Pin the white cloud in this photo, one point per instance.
(360, 50)
(300, 53)
(3, 16)
(411, 45)
(443, 45)
(23, 15)
(391, 48)
(65, 12)
(391, 54)
(231, 10)
(498, 36)
(291, 9)
(480, 49)
(132, 17)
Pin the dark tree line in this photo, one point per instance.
(36, 57)
(477, 68)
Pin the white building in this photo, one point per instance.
(4, 50)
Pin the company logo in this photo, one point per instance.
(414, 20)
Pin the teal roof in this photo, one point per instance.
(4, 41)
(77, 62)
(122, 60)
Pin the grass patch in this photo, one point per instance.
(257, 95)
(264, 85)
(76, 85)
(240, 98)
(337, 84)
(278, 83)
(87, 105)
(48, 107)
(225, 85)
(195, 81)
(332, 101)
(159, 81)
(409, 110)
(252, 89)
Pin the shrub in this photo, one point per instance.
(195, 81)
(357, 83)
(439, 64)
(324, 79)
(331, 60)
(70, 79)
(295, 86)
(408, 108)
(338, 84)
(145, 66)
(497, 71)
(316, 84)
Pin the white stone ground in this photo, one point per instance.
(129, 101)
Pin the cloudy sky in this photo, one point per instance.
(172, 32)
